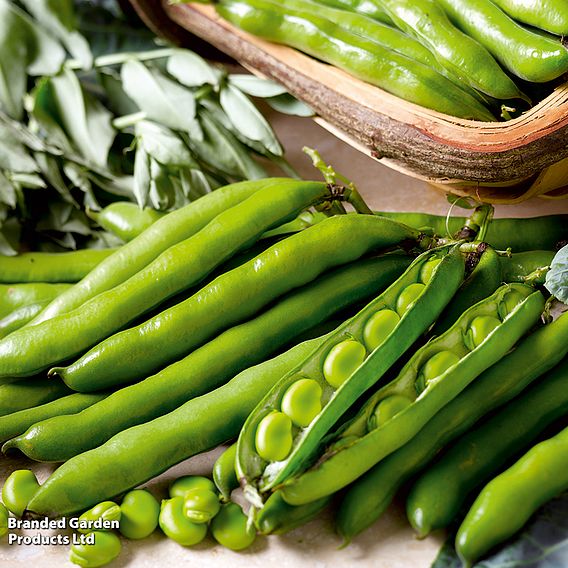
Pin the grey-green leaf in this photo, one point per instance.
(255, 86)
(557, 277)
(13, 154)
(142, 177)
(7, 191)
(83, 118)
(58, 17)
(15, 50)
(162, 99)
(247, 119)
(287, 104)
(163, 144)
(191, 70)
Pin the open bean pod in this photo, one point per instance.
(286, 428)
(433, 376)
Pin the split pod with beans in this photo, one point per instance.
(288, 425)
(369, 496)
(432, 377)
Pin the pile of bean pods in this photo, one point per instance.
(343, 351)
(474, 59)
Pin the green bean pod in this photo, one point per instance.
(365, 7)
(437, 496)
(21, 395)
(55, 267)
(528, 55)
(18, 422)
(183, 265)
(124, 219)
(463, 56)
(532, 233)
(380, 345)
(482, 282)
(553, 18)
(507, 502)
(367, 499)
(141, 251)
(433, 376)
(15, 296)
(20, 317)
(361, 57)
(518, 266)
(230, 299)
(388, 36)
(277, 517)
(62, 437)
(224, 474)
(142, 452)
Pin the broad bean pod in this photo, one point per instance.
(532, 233)
(462, 55)
(438, 494)
(40, 346)
(518, 266)
(142, 452)
(527, 54)
(249, 343)
(231, 298)
(311, 396)
(553, 18)
(55, 267)
(20, 317)
(18, 422)
(277, 517)
(124, 219)
(365, 7)
(507, 502)
(141, 251)
(15, 296)
(20, 395)
(361, 57)
(433, 376)
(367, 499)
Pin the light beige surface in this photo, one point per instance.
(390, 542)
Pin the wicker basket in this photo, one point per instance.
(495, 162)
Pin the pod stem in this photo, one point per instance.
(477, 224)
(536, 277)
(331, 177)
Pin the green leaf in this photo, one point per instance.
(247, 119)
(162, 193)
(78, 177)
(194, 184)
(163, 144)
(557, 277)
(15, 50)
(142, 177)
(542, 544)
(13, 154)
(7, 192)
(83, 118)
(30, 181)
(45, 54)
(162, 99)
(49, 167)
(58, 17)
(255, 86)
(191, 70)
(287, 104)
(118, 101)
(222, 151)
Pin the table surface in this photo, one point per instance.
(390, 542)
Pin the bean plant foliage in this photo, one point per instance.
(542, 544)
(94, 109)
